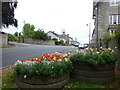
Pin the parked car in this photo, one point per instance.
(76, 45)
(82, 46)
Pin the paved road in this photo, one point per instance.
(24, 51)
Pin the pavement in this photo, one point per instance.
(10, 45)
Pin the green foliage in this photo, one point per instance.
(78, 84)
(12, 37)
(117, 37)
(28, 30)
(59, 43)
(43, 68)
(55, 39)
(106, 39)
(16, 34)
(8, 81)
(40, 34)
(11, 76)
(94, 58)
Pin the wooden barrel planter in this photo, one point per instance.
(96, 74)
(43, 82)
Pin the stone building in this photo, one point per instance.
(106, 16)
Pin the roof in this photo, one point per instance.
(53, 33)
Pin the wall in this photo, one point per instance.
(40, 42)
(3, 39)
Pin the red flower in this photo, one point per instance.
(29, 59)
(39, 59)
(34, 60)
(36, 71)
(60, 57)
(56, 62)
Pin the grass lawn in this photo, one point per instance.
(8, 81)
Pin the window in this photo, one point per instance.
(119, 19)
(114, 19)
(114, 2)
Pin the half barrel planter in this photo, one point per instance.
(93, 74)
(42, 82)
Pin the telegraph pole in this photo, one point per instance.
(89, 32)
(97, 28)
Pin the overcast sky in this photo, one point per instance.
(56, 15)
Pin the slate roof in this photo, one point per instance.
(54, 33)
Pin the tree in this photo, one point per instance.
(8, 14)
(16, 34)
(19, 34)
(40, 34)
(12, 37)
(28, 30)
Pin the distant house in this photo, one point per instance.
(3, 39)
(71, 41)
(53, 35)
(61, 37)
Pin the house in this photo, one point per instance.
(53, 35)
(3, 39)
(61, 37)
(107, 18)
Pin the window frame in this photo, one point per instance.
(114, 2)
(114, 19)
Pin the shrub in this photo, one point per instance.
(117, 37)
(12, 37)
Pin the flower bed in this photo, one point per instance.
(49, 71)
(93, 66)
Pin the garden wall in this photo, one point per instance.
(112, 44)
(3, 39)
(36, 41)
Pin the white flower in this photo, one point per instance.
(60, 60)
(109, 48)
(97, 52)
(112, 50)
(25, 76)
(56, 52)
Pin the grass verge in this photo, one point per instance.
(8, 81)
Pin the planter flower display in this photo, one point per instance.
(94, 66)
(49, 71)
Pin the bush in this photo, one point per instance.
(117, 37)
(40, 35)
(12, 38)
